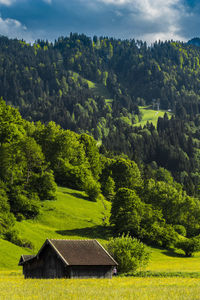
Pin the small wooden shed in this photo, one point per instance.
(69, 259)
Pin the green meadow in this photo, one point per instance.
(150, 115)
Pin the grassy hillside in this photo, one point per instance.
(72, 216)
(151, 115)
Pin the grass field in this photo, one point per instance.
(15, 287)
(150, 115)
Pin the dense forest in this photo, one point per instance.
(79, 100)
(36, 157)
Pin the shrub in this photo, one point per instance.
(20, 217)
(189, 246)
(161, 234)
(13, 237)
(23, 203)
(129, 253)
(92, 188)
(180, 229)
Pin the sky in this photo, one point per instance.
(147, 20)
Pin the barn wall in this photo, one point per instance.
(32, 269)
(53, 266)
(48, 265)
(91, 271)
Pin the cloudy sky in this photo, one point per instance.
(147, 20)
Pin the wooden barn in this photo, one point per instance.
(69, 259)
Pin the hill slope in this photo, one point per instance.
(72, 216)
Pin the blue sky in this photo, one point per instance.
(147, 20)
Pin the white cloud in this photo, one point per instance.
(153, 9)
(162, 36)
(7, 2)
(116, 2)
(151, 19)
(166, 15)
(13, 28)
(48, 1)
(10, 2)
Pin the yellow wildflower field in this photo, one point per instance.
(15, 287)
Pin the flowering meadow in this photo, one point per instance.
(14, 286)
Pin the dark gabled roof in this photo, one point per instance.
(82, 252)
(25, 258)
(76, 253)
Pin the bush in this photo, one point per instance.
(20, 217)
(92, 188)
(23, 203)
(189, 246)
(129, 253)
(168, 237)
(13, 237)
(180, 229)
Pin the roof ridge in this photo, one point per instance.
(106, 252)
(58, 252)
(71, 240)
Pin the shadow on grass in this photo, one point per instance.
(78, 195)
(168, 252)
(98, 231)
(172, 253)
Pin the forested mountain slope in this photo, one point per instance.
(40, 75)
(96, 86)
